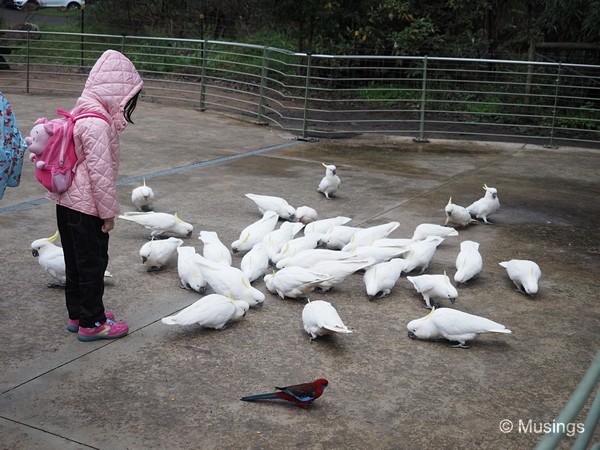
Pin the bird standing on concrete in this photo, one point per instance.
(452, 325)
(457, 215)
(468, 262)
(524, 274)
(143, 197)
(272, 203)
(160, 223)
(320, 318)
(330, 182)
(213, 311)
(434, 286)
(300, 394)
(155, 253)
(485, 206)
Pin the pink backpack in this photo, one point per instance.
(53, 149)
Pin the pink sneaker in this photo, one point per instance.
(73, 325)
(107, 330)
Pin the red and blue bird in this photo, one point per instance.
(300, 394)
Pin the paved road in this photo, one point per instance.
(12, 17)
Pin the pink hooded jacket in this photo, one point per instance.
(111, 83)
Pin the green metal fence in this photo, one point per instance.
(316, 95)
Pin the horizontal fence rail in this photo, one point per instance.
(315, 95)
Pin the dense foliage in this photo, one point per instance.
(476, 28)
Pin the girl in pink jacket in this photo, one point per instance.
(86, 211)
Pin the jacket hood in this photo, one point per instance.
(111, 83)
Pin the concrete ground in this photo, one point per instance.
(173, 387)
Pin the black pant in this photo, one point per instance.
(86, 258)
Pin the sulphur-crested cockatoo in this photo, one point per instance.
(453, 325)
(420, 253)
(52, 259)
(294, 246)
(294, 281)
(189, 270)
(320, 318)
(524, 274)
(255, 232)
(143, 197)
(157, 252)
(485, 206)
(255, 263)
(229, 281)
(214, 249)
(339, 270)
(272, 203)
(366, 236)
(468, 262)
(431, 229)
(160, 223)
(213, 311)
(433, 287)
(381, 278)
(457, 216)
(330, 182)
(306, 214)
(322, 225)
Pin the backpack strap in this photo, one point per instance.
(83, 115)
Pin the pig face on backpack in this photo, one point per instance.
(37, 140)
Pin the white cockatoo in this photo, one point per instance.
(160, 223)
(524, 274)
(322, 225)
(338, 236)
(306, 214)
(142, 197)
(330, 182)
(275, 240)
(468, 262)
(296, 245)
(320, 318)
(271, 203)
(311, 256)
(366, 236)
(189, 270)
(213, 311)
(381, 278)
(339, 270)
(431, 229)
(420, 253)
(294, 281)
(255, 232)
(457, 215)
(52, 259)
(229, 281)
(157, 252)
(214, 249)
(433, 287)
(485, 206)
(379, 254)
(453, 325)
(255, 263)
(393, 242)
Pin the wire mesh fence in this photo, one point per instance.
(316, 95)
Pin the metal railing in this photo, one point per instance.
(316, 95)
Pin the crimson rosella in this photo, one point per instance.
(301, 394)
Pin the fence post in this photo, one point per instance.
(27, 63)
(203, 76)
(306, 89)
(421, 137)
(263, 83)
(551, 143)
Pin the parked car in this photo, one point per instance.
(34, 4)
